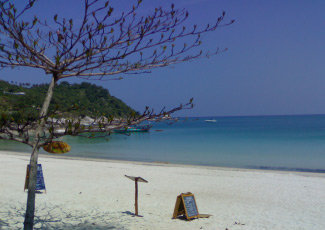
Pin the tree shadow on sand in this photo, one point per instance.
(93, 220)
(3, 224)
(81, 226)
(56, 218)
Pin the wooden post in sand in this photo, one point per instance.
(136, 180)
(136, 196)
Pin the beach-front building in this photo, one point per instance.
(17, 93)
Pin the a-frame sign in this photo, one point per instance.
(186, 205)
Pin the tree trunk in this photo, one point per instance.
(30, 208)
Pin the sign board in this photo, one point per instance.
(190, 206)
(139, 179)
(186, 205)
(136, 180)
(40, 184)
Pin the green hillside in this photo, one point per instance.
(90, 99)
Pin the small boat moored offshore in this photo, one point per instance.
(212, 120)
(134, 128)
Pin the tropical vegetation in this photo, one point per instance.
(77, 100)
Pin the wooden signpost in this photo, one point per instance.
(40, 184)
(136, 179)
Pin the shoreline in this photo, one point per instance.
(277, 144)
(165, 164)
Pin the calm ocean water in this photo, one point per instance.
(266, 142)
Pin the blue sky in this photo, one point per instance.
(274, 65)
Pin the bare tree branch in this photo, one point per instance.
(104, 44)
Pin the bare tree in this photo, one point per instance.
(103, 44)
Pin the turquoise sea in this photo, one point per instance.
(265, 142)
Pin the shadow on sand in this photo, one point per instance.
(131, 214)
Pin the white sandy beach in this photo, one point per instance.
(92, 194)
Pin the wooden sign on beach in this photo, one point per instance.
(186, 205)
(40, 184)
(136, 180)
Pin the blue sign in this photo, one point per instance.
(40, 184)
